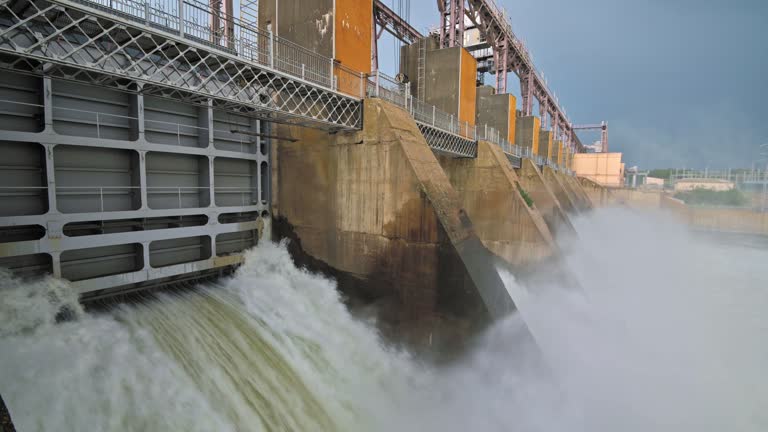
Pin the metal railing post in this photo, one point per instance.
(362, 85)
(271, 49)
(377, 83)
(181, 18)
(179, 190)
(101, 199)
(98, 128)
(178, 133)
(331, 77)
(147, 12)
(451, 127)
(303, 74)
(434, 110)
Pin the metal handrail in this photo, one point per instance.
(244, 40)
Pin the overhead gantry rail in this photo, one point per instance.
(499, 52)
(153, 49)
(388, 20)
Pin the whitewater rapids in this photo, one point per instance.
(666, 332)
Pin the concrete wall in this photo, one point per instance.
(497, 111)
(544, 199)
(527, 132)
(577, 193)
(450, 79)
(635, 198)
(375, 209)
(546, 147)
(728, 220)
(604, 168)
(597, 194)
(489, 190)
(309, 23)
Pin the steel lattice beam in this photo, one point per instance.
(91, 43)
(448, 143)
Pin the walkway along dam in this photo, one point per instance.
(150, 144)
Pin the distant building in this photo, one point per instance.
(703, 183)
(603, 168)
(654, 183)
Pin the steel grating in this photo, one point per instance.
(448, 143)
(516, 161)
(85, 42)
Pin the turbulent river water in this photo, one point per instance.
(657, 330)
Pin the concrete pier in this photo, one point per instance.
(558, 188)
(490, 192)
(544, 198)
(497, 111)
(546, 148)
(377, 208)
(527, 133)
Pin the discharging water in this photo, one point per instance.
(667, 333)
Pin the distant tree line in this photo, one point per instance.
(702, 196)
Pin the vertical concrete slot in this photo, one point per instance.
(177, 180)
(81, 264)
(164, 253)
(93, 179)
(23, 183)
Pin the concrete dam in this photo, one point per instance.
(153, 146)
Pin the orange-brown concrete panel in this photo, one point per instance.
(512, 119)
(467, 95)
(354, 19)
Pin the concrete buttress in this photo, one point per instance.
(377, 208)
(544, 198)
(490, 192)
(556, 185)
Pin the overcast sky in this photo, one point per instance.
(680, 82)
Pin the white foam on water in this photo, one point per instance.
(656, 329)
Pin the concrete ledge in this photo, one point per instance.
(544, 199)
(556, 185)
(490, 192)
(577, 193)
(597, 194)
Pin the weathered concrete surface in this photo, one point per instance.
(544, 199)
(568, 190)
(721, 220)
(597, 194)
(577, 193)
(635, 198)
(557, 187)
(546, 145)
(527, 133)
(377, 208)
(449, 78)
(496, 111)
(489, 191)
